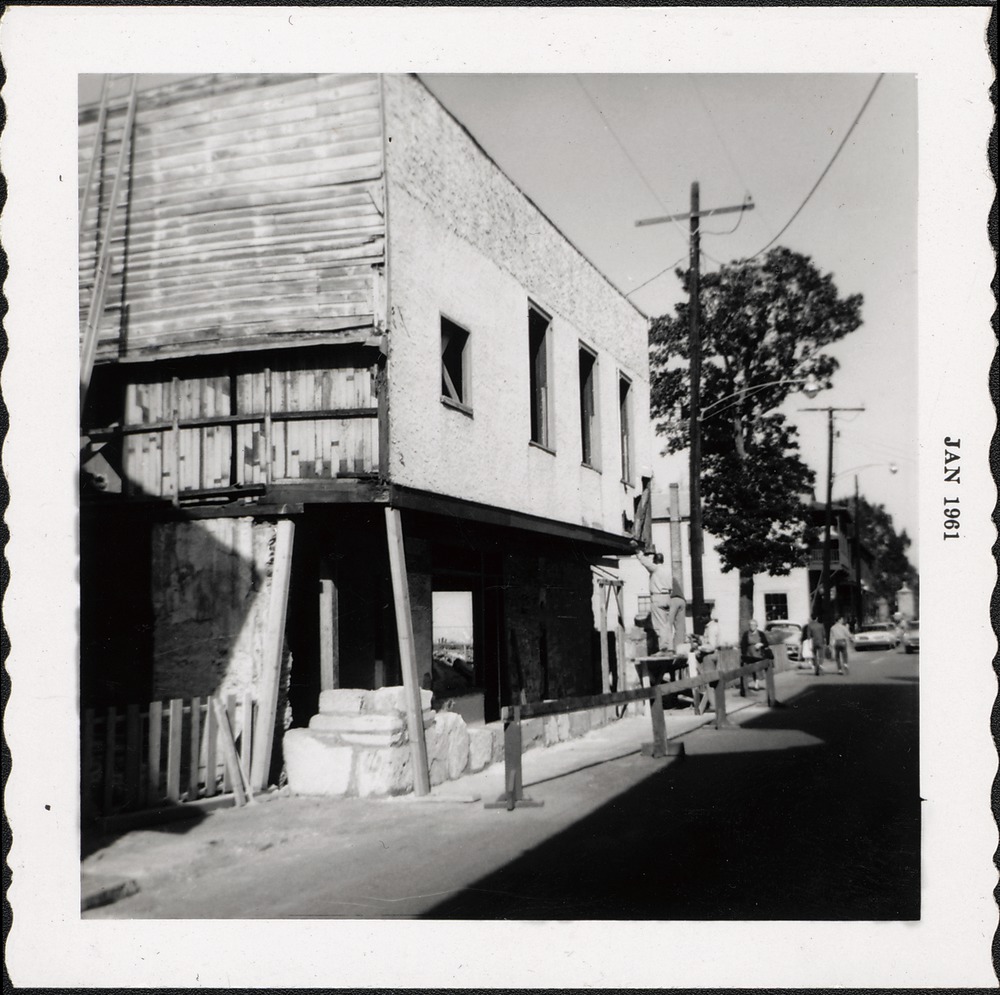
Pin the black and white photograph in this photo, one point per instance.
(474, 505)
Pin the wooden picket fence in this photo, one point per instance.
(140, 758)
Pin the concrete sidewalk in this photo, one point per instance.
(145, 859)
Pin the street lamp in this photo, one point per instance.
(810, 387)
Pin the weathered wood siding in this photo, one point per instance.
(250, 428)
(252, 214)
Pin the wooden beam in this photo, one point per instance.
(620, 637)
(605, 667)
(273, 647)
(407, 652)
(329, 626)
(439, 504)
(241, 790)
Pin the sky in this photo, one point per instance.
(596, 153)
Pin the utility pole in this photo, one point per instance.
(696, 542)
(825, 577)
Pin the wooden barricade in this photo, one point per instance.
(140, 759)
(716, 680)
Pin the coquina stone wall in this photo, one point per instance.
(211, 582)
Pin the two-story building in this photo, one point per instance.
(324, 299)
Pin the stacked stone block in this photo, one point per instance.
(358, 743)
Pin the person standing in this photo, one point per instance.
(818, 636)
(839, 635)
(661, 584)
(754, 647)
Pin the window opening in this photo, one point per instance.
(588, 407)
(775, 607)
(538, 327)
(454, 363)
(625, 425)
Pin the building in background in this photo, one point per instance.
(323, 300)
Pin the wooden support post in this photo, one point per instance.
(155, 737)
(407, 653)
(273, 650)
(721, 718)
(211, 760)
(769, 684)
(620, 637)
(246, 735)
(174, 730)
(227, 781)
(659, 725)
(329, 627)
(241, 790)
(660, 747)
(513, 796)
(605, 593)
(195, 747)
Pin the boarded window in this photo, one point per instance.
(454, 363)
(588, 407)
(625, 425)
(538, 348)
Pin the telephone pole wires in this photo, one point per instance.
(828, 518)
(696, 541)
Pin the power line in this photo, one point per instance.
(656, 275)
(843, 142)
(626, 153)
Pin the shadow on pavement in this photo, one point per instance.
(810, 811)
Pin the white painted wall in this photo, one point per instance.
(465, 242)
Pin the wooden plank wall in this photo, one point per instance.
(170, 459)
(252, 213)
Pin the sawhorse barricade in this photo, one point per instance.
(514, 797)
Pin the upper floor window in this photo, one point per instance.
(539, 377)
(589, 435)
(454, 364)
(625, 426)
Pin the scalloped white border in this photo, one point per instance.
(45, 48)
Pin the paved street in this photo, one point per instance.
(810, 811)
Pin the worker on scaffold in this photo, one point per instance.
(666, 608)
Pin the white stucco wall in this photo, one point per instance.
(465, 243)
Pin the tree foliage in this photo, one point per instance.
(890, 567)
(763, 322)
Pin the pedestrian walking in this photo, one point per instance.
(754, 647)
(806, 648)
(839, 636)
(661, 584)
(818, 636)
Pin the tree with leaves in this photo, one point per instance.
(763, 323)
(890, 566)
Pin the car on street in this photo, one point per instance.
(910, 642)
(781, 631)
(875, 635)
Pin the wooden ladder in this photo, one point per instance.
(102, 268)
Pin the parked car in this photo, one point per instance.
(877, 635)
(780, 630)
(910, 642)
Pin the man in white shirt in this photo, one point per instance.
(665, 613)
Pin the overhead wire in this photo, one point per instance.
(656, 276)
(621, 145)
(843, 142)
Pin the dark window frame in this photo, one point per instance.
(456, 363)
(540, 377)
(590, 433)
